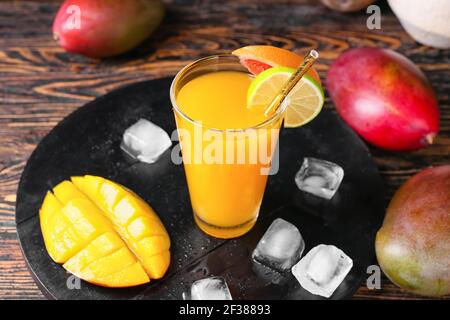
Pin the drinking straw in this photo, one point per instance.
(308, 61)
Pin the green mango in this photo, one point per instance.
(413, 245)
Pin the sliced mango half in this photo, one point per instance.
(104, 233)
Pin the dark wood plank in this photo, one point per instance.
(15, 280)
(40, 84)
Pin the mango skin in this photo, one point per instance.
(347, 6)
(107, 28)
(385, 98)
(413, 245)
(104, 233)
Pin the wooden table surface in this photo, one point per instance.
(40, 84)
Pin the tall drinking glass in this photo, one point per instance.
(226, 165)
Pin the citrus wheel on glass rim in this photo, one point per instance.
(304, 101)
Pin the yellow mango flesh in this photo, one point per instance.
(135, 221)
(104, 233)
(105, 262)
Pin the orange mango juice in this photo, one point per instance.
(226, 183)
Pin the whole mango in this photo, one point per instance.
(385, 98)
(104, 28)
(413, 245)
(347, 5)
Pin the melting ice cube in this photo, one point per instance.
(281, 246)
(145, 141)
(213, 288)
(319, 177)
(322, 269)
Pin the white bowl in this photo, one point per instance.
(428, 22)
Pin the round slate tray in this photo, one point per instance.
(87, 142)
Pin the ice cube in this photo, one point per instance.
(213, 288)
(322, 269)
(319, 177)
(145, 141)
(269, 275)
(280, 247)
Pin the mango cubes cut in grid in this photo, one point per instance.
(104, 233)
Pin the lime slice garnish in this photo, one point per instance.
(304, 101)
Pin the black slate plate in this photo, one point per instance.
(87, 142)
